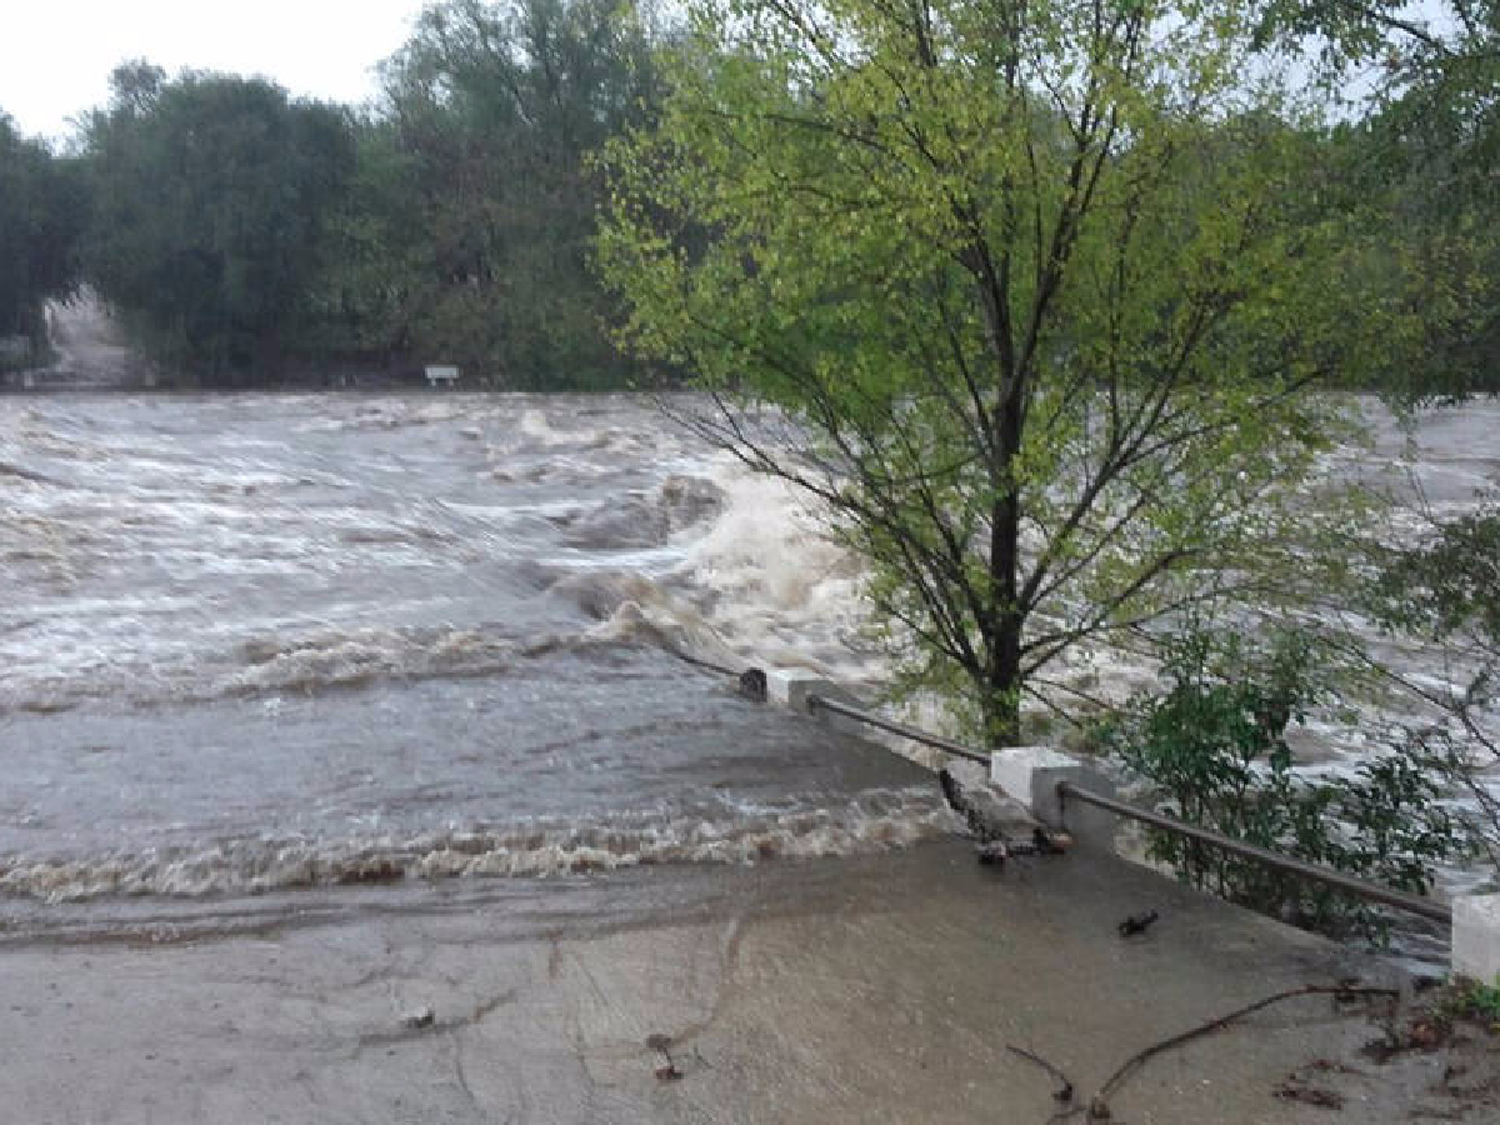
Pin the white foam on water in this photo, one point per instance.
(870, 822)
(783, 592)
(631, 608)
(317, 662)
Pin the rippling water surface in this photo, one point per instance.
(260, 642)
(256, 643)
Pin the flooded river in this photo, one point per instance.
(265, 643)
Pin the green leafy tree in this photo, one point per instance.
(1037, 288)
(42, 209)
(363, 297)
(213, 195)
(470, 236)
(1438, 41)
(1422, 146)
(1425, 259)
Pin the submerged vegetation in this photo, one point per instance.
(1214, 747)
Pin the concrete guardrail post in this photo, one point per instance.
(1030, 774)
(793, 688)
(1476, 938)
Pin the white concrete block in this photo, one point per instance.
(790, 687)
(1030, 774)
(781, 683)
(1476, 938)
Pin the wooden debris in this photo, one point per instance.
(1137, 924)
(1001, 826)
(1293, 1090)
(419, 1019)
(1065, 1090)
(662, 1045)
(753, 685)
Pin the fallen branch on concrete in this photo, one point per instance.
(1064, 1091)
(1098, 1106)
(1001, 825)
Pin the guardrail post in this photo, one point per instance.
(1030, 774)
(791, 688)
(1476, 938)
(794, 689)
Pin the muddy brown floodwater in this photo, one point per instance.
(258, 643)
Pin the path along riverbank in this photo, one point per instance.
(887, 988)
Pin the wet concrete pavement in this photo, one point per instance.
(877, 989)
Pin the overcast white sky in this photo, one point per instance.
(56, 55)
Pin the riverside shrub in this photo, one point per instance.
(1213, 748)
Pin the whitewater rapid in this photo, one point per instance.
(262, 642)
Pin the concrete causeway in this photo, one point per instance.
(877, 989)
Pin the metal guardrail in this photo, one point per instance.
(1400, 900)
(947, 745)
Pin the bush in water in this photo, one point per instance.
(1444, 592)
(1213, 745)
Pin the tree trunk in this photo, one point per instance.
(1003, 633)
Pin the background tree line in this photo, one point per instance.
(246, 237)
(41, 214)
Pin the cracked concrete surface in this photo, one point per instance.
(883, 989)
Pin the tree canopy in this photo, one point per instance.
(474, 209)
(1422, 145)
(243, 233)
(212, 195)
(1038, 288)
(42, 210)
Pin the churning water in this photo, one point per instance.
(264, 642)
(260, 642)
